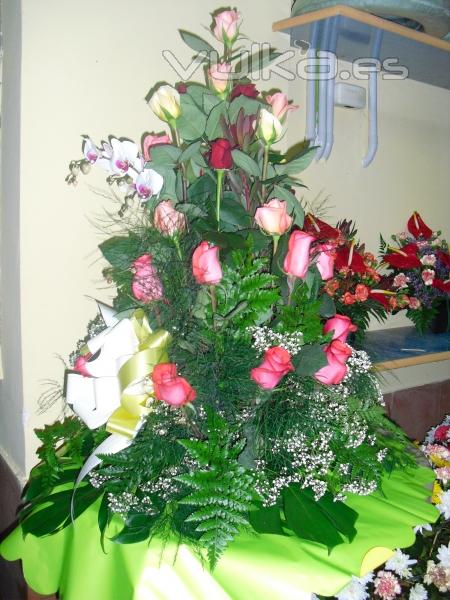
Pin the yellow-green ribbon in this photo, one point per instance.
(152, 350)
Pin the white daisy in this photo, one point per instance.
(418, 592)
(444, 505)
(400, 563)
(355, 590)
(443, 555)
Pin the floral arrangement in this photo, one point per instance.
(218, 393)
(419, 265)
(421, 572)
(350, 274)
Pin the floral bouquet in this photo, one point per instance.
(421, 572)
(350, 274)
(420, 267)
(218, 393)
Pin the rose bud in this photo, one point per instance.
(341, 326)
(220, 154)
(269, 127)
(273, 217)
(280, 105)
(219, 77)
(247, 89)
(226, 26)
(153, 140)
(275, 365)
(296, 262)
(417, 227)
(80, 364)
(325, 262)
(205, 264)
(165, 103)
(146, 285)
(167, 220)
(170, 387)
(334, 372)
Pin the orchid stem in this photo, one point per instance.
(220, 173)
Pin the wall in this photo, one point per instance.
(86, 68)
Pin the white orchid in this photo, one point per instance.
(121, 157)
(90, 150)
(148, 183)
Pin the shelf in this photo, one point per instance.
(426, 57)
(404, 347)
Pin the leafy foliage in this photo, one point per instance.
(223, 490)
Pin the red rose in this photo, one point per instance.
(181, 88)
(417, 227)
(249, 90)
(220, 155)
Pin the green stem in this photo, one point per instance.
(265, 166)
(220, 173)
(176, 242)
(176, 138)
(276, 239)
(212, 291)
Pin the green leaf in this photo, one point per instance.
(191, 210)
(132, 535)
(327, 307)
(266, 520)
(192, 121)
(246, 162)
(190, 151)
(307, 519)
(225, 240)
(297, 164)
(342, 517)
(256, 62)
(309, 360)
(232, 211)
(250, 106)
(165, 154)
(103, 519)
(213, 129)
(195, 42)
(120, 251)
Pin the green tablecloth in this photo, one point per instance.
(263, 567)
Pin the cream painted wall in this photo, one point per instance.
(86, 68)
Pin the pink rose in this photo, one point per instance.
(226, 26)
(205, 264)
(153, 140)
(146, 285)
(341, 326)
(280, 104)
(400, 281)
(334, 372)
(219, 76)
(170, 387)
(428, 276)
(273, 217)
(167, 220)
(275, 365)
(361, 292)
(325, 262)
(296, 262)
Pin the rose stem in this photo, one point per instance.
(220, 173)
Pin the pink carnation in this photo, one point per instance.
(443, 473)
(387, 585)
(400, 280)
(414, 303)
(428, 276)
(428, 259)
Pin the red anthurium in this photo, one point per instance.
(403, 258)
(350, 258)
(381, 296)
(417, 227)
(319, 228)
(444, 258)
(248, 89)
(444, 286)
